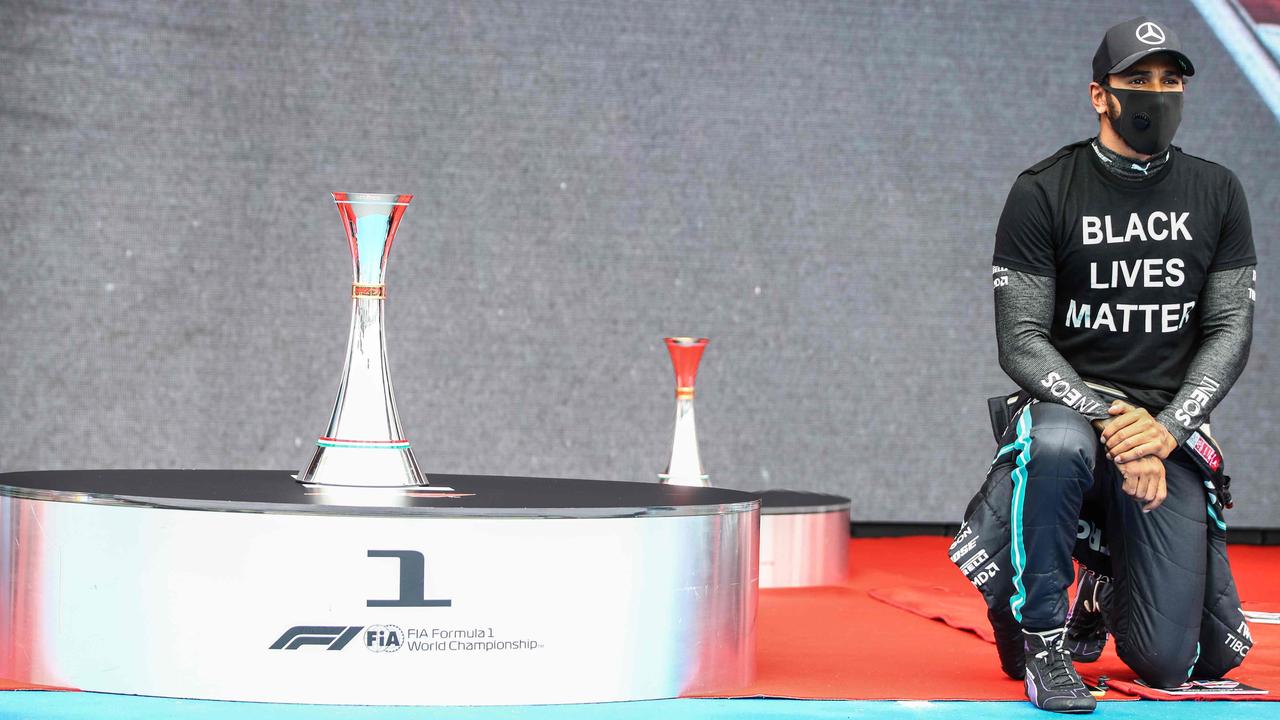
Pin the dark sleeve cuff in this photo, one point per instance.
(1024, 267)
(1233, 264)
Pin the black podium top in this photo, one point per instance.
(798, 502)
(275, 491)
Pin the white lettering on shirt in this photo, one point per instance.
(1147, 318)
(1148, 272)
(1157, 226)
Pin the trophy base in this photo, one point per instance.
(367, 465)
(686, 480)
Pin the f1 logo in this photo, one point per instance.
(413, 581)
(335, 638)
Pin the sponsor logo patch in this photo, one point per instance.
(1201, 447)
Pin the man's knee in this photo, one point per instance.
(1213, 668)
(1161, 667)
(1225, 641)
(1063, 446)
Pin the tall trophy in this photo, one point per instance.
(685, 468)
(364, 445)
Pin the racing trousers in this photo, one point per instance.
(1174, 612)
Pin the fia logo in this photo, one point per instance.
(383, 638)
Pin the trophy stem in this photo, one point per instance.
(364, 444)
(685, 466)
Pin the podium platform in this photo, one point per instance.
(804, 539)
(244, 585)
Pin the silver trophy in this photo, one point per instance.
(685, 467)
(364, 445)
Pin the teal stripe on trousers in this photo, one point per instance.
(1018, 551)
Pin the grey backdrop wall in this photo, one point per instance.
(814, 185)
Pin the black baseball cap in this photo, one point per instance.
(1132, 40)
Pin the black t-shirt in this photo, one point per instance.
(1129, 259)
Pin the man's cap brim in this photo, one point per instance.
(1183, 61)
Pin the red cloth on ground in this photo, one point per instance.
(841, 643)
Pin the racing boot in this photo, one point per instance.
(1052, 683)
(1086, 634)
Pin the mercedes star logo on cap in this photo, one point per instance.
(1128, 42)
(1150, 33)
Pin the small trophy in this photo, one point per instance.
(364, 445)
(685, 468)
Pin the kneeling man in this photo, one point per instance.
(1124, 291)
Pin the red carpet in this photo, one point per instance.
(840, 643)
(11, 685)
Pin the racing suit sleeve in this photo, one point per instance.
(1024, 314)
(1226, 331)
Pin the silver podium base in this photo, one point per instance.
(804, 539)
(245, 585)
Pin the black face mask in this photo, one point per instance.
(1147, 119)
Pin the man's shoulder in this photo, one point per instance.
(1057, 162)
(1204, 167)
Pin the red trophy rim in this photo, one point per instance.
(686, 354)
(347, 202)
